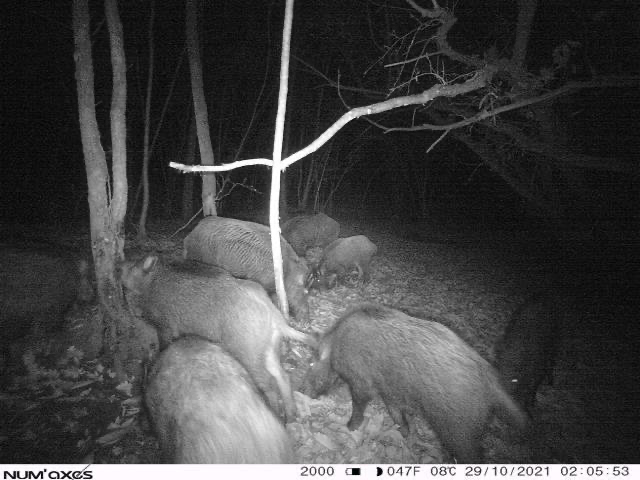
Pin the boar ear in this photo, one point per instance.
(149, 262)
(311, 279)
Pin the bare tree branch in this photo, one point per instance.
(485, 114)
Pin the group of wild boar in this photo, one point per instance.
(220, 334)
(217, 392)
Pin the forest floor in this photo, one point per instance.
(469, 280)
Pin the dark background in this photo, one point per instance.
(43, 170)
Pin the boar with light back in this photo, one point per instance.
(244, 249)
(205, 409)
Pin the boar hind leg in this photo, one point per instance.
(272, 363)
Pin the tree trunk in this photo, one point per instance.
(142, 224)
(282, 203)
(107, 236)
(274, 221)
(106, 212)
(189, 159)
(307, 176)
(200, 109)
(526, 13)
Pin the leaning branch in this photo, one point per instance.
(478, 81)
(220, 168)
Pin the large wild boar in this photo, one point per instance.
(527, 351)
(38, 284)
(244, 249)
(205, 409)
(417, 367)
(306, 231)
(344, 254)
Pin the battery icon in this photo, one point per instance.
(353, 471)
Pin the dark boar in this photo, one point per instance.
(244, 249)
(38, 285)
(344, 254)
(205, 409)
(306, 231)
(199, 299)
(416, 366)
(525, 355)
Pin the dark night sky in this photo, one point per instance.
(42, 158)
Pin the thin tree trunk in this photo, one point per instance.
(190, 159)
(158, 129)
(283, 207)
(118, 122)
(526, 13)
(94, 156)
(200, 108)
(116, 324)
(274, 220)
(142, 224)
(307, 178)
(308, 173)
